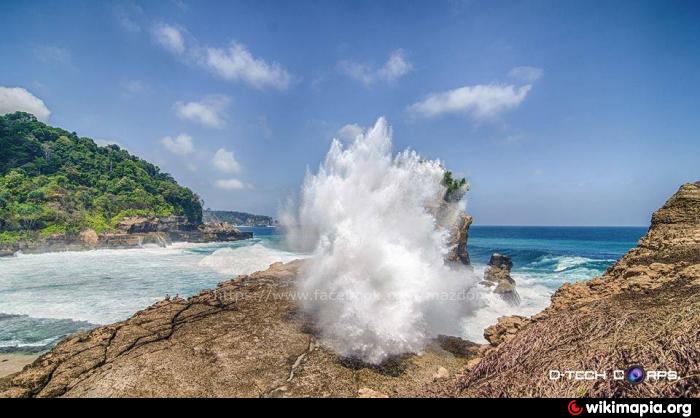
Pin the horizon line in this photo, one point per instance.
(562, 226)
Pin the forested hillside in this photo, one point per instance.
(52, 181)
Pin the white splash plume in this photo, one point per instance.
(376, 283)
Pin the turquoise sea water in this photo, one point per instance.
(554, 255)
(44, 297)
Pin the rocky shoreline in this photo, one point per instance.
(246, 338)
(644, 310)
(249, 338)
(132, 232)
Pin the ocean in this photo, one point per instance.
(44, 297)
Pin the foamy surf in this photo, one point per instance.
(246, 260)
(105, 286)
(534, 297)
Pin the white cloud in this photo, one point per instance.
(396, 67)
(232, 63)
(349, 132)
(526, 74)
(169, 37)
(237, 64)
(225, 161)
(481, 101)
(128, 24)
(128, 16)
(180, 145)
(207, 111)
(49, 54)
(230, 184)
(13, 99)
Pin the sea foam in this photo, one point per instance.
(246, 260)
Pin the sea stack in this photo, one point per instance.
(459, 235)
(498, 274)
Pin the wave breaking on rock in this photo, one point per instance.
(377, 282)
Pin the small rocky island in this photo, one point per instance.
(497, 275)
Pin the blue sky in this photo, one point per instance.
(559, 113)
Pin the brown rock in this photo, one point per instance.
(645, 310)
(459, 237)
(89, 238)
(441, 374)
(458, 346)
(210, 232)
(505, 329)
(498, 274)
(138, 224)
(370, 393)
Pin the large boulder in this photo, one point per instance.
(498, 274)
(89, 238)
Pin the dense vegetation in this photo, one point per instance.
(456, 188)
(237, 218)
(52, 181)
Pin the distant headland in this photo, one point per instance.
(60, 191)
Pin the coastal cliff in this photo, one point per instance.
(644, 310)
(248, 337)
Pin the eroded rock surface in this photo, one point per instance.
(644, 310)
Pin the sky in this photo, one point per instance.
(557, 112)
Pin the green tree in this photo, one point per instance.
(53, 181)
(455, 188)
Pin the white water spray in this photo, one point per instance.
(377, 284)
